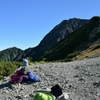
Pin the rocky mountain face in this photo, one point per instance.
(77, 41)
(58, 33)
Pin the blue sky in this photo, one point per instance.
(24, 23)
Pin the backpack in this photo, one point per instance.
(43, 96)
(36, 79)
(56, 90)
(30, 75)
(55, 93)
(58, 93)
(33, 77)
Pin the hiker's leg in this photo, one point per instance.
(21, 78)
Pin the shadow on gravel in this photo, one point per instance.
(8, 84)
(28, 82)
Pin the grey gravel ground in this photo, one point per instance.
(80, 79)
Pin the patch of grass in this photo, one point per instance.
(40, 62)
(96, 47)
(73, 54)
(7, 68)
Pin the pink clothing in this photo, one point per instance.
(18, 77)
(21, 78)
(14, 78)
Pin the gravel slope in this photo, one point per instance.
(80, 79)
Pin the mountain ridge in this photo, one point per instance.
(76, 41)
(58, 34)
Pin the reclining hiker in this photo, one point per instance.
(24, 74)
